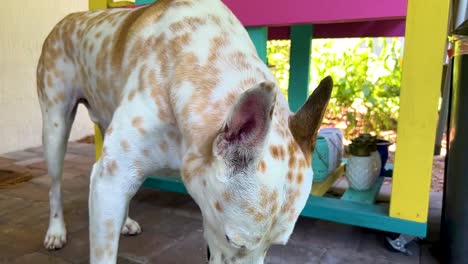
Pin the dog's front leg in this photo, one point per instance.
(112, 186)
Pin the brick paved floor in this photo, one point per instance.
(172, 227)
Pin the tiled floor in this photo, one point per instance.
(172, 229)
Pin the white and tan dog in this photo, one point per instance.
(178, 84)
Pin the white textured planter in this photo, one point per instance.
(377, 161)
(361, 172)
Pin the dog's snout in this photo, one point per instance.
(228, 239)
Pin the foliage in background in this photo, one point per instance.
(366, 73)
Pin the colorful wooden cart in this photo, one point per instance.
(424, 26)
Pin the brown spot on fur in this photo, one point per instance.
(239, 61)
(274, 208)
(160, 96)
(131, 95)
(278, 152)
(259, 217)
(264, 197)
(274, 196)
(292, 155)
(164, 146)
(261, 166)
(275, 152)
(124, 145)
(251, 210)
(137, 122)
(290, 200)
(183, 3)
(290, 176)
(282, 153)
(111, 167)
(215, 19)
(302, 164)
(131, 25)
(219, 207)
(300, 178)
(60, 98)
(227, 196)
(190, 24)
(122, 37)
(194, 165)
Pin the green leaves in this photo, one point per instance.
(366, 73)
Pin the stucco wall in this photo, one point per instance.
(24, 25)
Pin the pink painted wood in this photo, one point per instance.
(331, 18)
(290, 12)
(381, 28)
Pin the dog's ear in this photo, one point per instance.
(305, 123)
(243, 134)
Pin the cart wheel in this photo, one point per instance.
(388, 246)
(398, 242)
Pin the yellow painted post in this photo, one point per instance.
(425, 38)
(112, 3)
(94, 5)
(97, 141)
(321, 188)
(97, 4)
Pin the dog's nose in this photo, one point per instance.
(234, 244)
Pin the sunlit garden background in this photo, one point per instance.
(366, 73)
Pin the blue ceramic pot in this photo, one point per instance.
(382, 148)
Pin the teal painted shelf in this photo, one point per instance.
(144, 2)
(166, 183)
(360, 214)
(367, 197)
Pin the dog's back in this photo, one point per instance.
(192, 58)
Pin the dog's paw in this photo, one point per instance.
(56, 237)
(131, 227)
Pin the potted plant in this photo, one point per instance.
(364, 163)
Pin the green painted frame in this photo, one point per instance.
(299, 61)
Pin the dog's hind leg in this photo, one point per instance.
(58, 107)
(56, 129)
